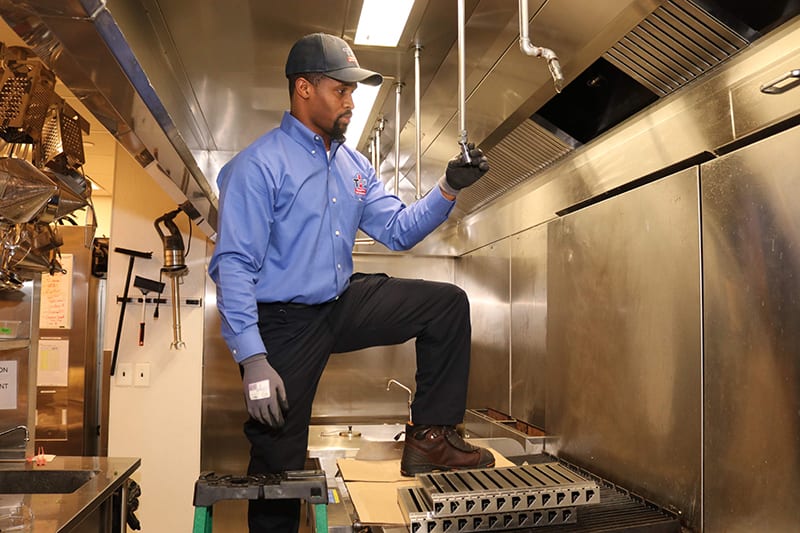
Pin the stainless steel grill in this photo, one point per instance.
(420, 517)
(500, 490)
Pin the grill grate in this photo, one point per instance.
(421, 518)
(498, 490)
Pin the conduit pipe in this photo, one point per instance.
(537, 51)
(418, 132)
(376, 146)
(398, 89)
(462, 97)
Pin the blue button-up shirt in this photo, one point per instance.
(289, 213)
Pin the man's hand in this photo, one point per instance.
(460, 174)
(263, 391)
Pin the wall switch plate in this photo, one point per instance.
(124, 375)
(141, 375)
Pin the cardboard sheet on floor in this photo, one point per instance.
(373, 487)
(376, 502)
(388, 471)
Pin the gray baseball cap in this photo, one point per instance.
(330, 55)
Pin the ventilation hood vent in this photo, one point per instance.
(528, 149)
(676, 43)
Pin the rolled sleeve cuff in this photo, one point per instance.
(245, 344)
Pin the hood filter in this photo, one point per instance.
(676, 43)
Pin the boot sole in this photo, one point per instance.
(428, 469)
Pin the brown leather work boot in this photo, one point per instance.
(432, 448)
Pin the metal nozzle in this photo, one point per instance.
(537, 51)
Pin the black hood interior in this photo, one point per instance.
(750, 18)
(601, 97)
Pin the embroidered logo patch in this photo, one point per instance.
(360, 186)
(351, 57)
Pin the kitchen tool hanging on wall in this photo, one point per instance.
(174, 267)
(41, 158)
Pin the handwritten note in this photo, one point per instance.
(56, 301)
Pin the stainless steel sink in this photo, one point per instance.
(43, 481)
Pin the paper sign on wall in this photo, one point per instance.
(8, 384)
(53, 363)
(56, 300)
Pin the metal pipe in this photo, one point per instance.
(398, 90)
(418, 130)
(537, 51)
(462, 94)
(378, 129)
(24, 429)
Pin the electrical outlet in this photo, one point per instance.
(124, 375)
(141, 375)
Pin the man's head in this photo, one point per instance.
(329, 55)
(323, 73)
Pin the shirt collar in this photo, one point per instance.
(300, 133)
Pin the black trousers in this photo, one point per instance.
(375, 310)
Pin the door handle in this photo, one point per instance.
(784, 83)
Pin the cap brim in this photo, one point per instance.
(356, 75)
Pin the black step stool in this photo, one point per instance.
(309, 485)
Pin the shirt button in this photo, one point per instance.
(337, 232)
(334, 200)
(339, 267)
(313, 151)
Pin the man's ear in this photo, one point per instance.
(302, 88)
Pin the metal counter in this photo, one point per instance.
(72, 511)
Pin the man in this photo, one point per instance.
(290, 206)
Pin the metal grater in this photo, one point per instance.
(62, 138)
(420, 517)
(26, 91)
(499, 490)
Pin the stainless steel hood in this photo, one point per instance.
(185, 84)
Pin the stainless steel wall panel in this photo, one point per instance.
(751, 231)
(485, 276)
(753, 110)
(529, 325)
(624, 340)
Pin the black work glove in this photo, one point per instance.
(263, 391)
(460, 174)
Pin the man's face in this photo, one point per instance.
(331, 106)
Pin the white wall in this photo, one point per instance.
(159, 423)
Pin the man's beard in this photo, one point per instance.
(339, 128)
